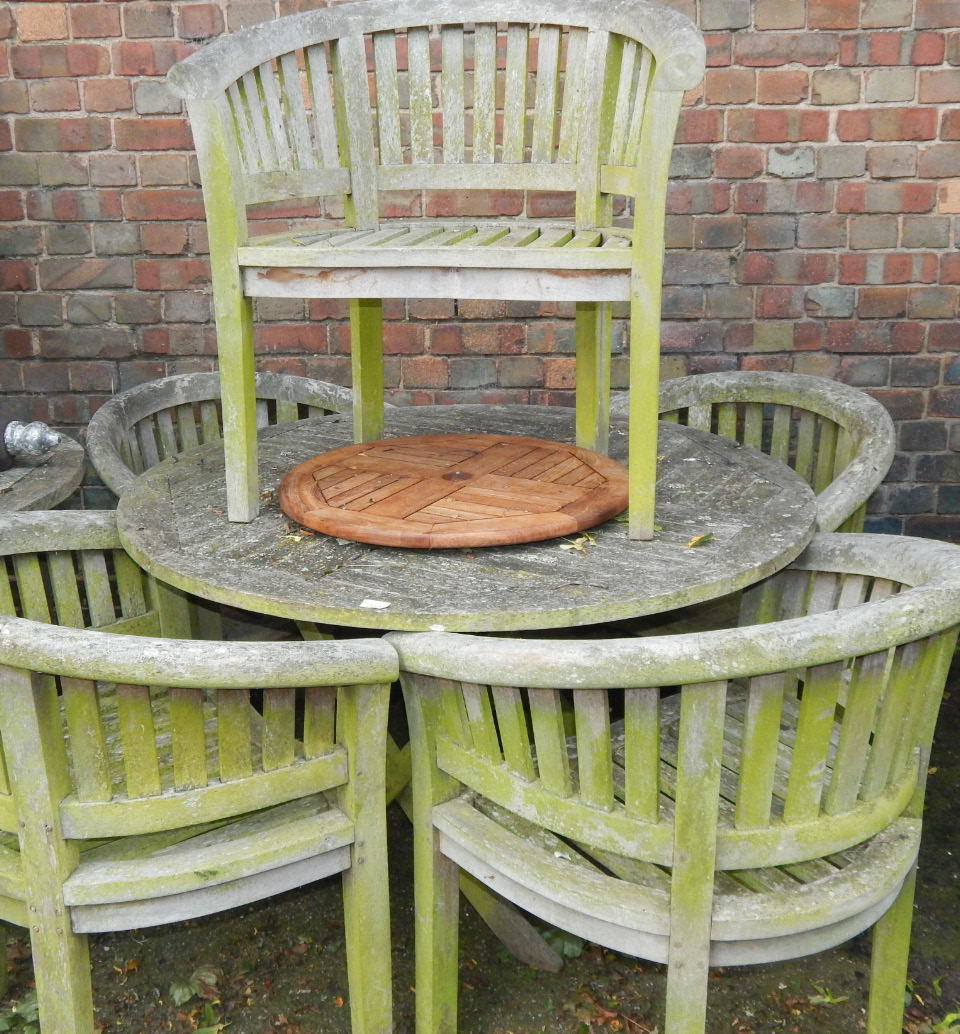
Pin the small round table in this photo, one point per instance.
(40, 483)
(755, 513)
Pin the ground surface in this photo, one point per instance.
(278, 967)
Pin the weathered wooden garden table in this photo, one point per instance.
(760, 514)
(40, 483)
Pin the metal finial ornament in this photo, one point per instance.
(33, 439)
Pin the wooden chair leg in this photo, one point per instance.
(366, 358)
(4, 974)
(437, 896)
(888, 966)
(507, 922)
(61, 969)
(593, 324)
(361, 722)
(238, 395)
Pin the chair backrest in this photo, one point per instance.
(431, 94)
(850, 674)
(156, 734)
(838, 438)
(138, 428)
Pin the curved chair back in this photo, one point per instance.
(138, 428)
(768, 808)
(475, 105)
(196, 774)
(839, 439)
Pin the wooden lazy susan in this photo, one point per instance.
(445, 490)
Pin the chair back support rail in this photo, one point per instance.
(839, 439)
(210, 774)
(729, 797)
(355, 100)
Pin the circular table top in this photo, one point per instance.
(757, 513)
(39, 483)
(443, 491)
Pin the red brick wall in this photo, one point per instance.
(814, 226)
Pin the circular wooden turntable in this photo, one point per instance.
(447, 490)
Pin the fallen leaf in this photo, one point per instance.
(700, 540)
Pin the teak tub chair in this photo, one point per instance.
(732, 797)
(837, 438)
(465, 101)
(141, 786)
(138, 428)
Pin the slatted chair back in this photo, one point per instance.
(194, 775)
(437, 95)
(839, 439)
(715, 776)
(137, 428)
(354, 101)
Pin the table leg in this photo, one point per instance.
(517, 935)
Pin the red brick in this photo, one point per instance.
(107, 95)
(950, 126)
(94, 21)
(153, 134)
(59, 60)
(74, 205)
(147, 57)
(833, 14)
(950, 268)
(172, 274)
(54, 95)
(769, 49)
(424, 372)
(776, 126)
(881, 302)
(787, 268)
(6, 23)
(199, 21)
(64, 134)
(167, 239)
(928, 49)
(943, 337)
(779, 303)
(738, 162)
(301, 338)
(937, 14)
(940, 87)
(474, 203)
(851, 336)
(719, 48)
(147, 19)
(163, 204)
(14, 98)
(887, 124)
(730, 86)
(11, 206)
(775, 87)
(886, 197)
(17, 275)
(402, 339)
(697, 198)
(85, 273)
(932, 303)
(547, 204)
(700, 126)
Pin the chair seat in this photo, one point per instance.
(758, 915)
(478, 244)
(199, 870)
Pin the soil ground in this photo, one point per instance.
(278, 967)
